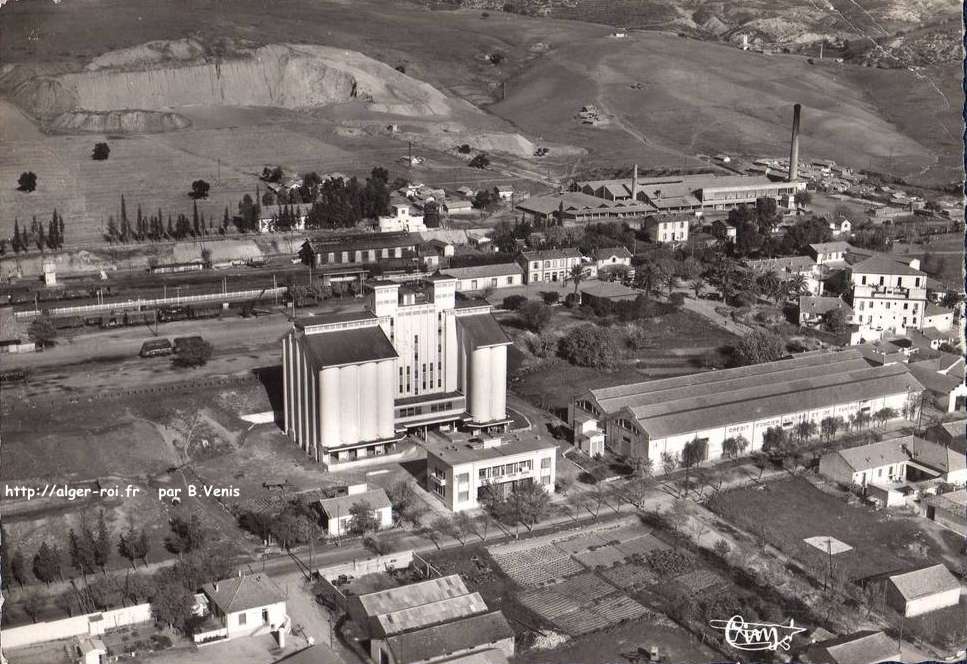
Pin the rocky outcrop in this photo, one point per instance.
(118, 122)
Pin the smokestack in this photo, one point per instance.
(634, 183)
(794, 148)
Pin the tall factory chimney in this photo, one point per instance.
(634, 183)
(794, 148)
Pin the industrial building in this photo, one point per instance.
(922, 590)
(356, 382)
(573, 207)
(361, 248)
(654, 418)
(435, 620)
(460, 470)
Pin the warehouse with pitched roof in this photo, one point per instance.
(658, 417)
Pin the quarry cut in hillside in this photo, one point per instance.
(297, 77)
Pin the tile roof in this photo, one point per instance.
(818, 305)
(440, 640)
(785, 263)
(829, 247)
(930, 378)
(864, 647)
(414, 594)
(882, 264)
(339, 347)
(364, 241)
(244, 592)
(876, 455)
(340, 505)
(925, 582)
(479, 271)
(608, 252)
(483, 330)
(936, 310)
(550, 254)
(941, 457)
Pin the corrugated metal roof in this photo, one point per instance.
(431, 613)
(414, 594)
(440, 640)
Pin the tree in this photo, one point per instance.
(697, 285)
(803, 198)
(721, 548)
(735, 446)
(806, 430)
(758, 346)
(362, 518)
(193, 353)
(884, 415)
(550, 297)
(446, 526)
(139, 588)
(589, 346)
(577, 275)
(47, 563)
(82, 550)
(186, 535)
(402, 497)
(199, 189)
(33, 605)
(481, 160)
(18, 567)
(41, 238)
(101, 151)
(829, 426)
(513, 302)
(774, 442)
(102, 543)
(835, 321)
(530, 503)
(42, 332)
(27, 181)
(668, 463)
(535, 315)
(172, 603)
(133, 546)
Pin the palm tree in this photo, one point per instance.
(577, 275)
(797, 285)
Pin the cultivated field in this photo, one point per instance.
(785, 512)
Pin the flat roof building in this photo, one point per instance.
(460, 471)
(653, 418)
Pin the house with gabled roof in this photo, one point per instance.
(246, 605)
(922, 590)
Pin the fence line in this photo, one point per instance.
(108, 307)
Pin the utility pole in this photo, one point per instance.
(409, 154)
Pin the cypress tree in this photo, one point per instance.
(171, 231)
(195, 229)
(60, 230)
(15, 242)
(41, 239)
(112, 229)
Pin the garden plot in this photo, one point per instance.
(582, 604)
(537, 565)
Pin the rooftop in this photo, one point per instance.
(716, 398)
(550, 254)
(864, 647)
(925, 582)
(879, 454)
(339, 347)
(244, 592)
(608, 252)
(483, 271)
(881, 264)
(440, 640)
(364, 241)
(787, 263)
(331, 317)
(340, 505)
(483, 330)
(829, 247)
(818, 305)
(466, 450)
(429, 613)
(606, 289)
(414, 594)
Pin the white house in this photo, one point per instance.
(937, 317)
(611, 258)
(549, 264)
(482, 277)
(664, 230)
(247, 605)
(923, 590)
(843, 227)
(505, 192)
(458, 207)
(462, 472)
(588, 436)
(337, 511)
(888, 294)
(90, 650)
(826, 253)
(403, 217)
(881, 462)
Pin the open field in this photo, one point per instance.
(699, 97)
(785, 512)
(678, 343)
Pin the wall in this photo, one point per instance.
(399, 560)
(254, 621)
(17, 637)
